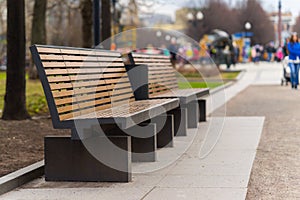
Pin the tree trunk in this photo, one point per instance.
(38, 30)
(105, 23)
(86, 8)
(15, 100)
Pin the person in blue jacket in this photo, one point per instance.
(294, 55)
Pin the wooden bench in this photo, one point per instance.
(88, 92)
(162, 83)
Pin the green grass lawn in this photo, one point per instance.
(211, 85)
(2, 75)
(224, 75)
(35, 99)
(229, 75)
(2, 89)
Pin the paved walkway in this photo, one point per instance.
(223, 172)
(276, 171)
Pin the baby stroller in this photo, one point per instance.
(286, 71)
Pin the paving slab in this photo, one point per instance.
(276, 170)
(196, 193)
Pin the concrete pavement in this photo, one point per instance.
(213, 162)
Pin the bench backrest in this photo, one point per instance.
(80, 81)
(161, 74)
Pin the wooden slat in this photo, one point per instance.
(151, 60)
(55, 86)
(153, 64)
(68, 108)
(162, 80)
(75, 99)
(118, 86)
(123, 97)
(79, 84)
(161, 76)
(93, 103)
(67, 93)
(82, 71)
(95, 109)
(68, 64)
(121, 91)
(118, 81)
(51, 57)
(148, 56)
(68, 116)
(115, 75)
(156, 90)
(160, 73)
(48, 50)
(162, 68)
(57, 79)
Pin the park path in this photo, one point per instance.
(276, 170)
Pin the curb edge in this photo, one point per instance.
(15, 179)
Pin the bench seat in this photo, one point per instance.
(134, 113)
(185, 95)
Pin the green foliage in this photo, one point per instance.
(35, 99)
(36, 104)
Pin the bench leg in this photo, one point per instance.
(165, 130)
(193, 114)
(69, 160)
(180, 121)
(143, 139)
(202, 110)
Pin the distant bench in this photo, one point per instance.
(84, 87)
(162, 83)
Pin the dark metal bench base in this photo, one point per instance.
(193, 113)
(165, 130)
(202, 108)
(180, 121)
(196, 111)
(69, 160)
(143, 140)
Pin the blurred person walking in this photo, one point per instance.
(173, 51)
(294, 54)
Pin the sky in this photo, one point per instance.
(170, 6)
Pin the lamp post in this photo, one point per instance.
(168, 38)
(247, 41)
(194, 18)
(96, 10)
(158, 35)
(248, 26)
(279, 22)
